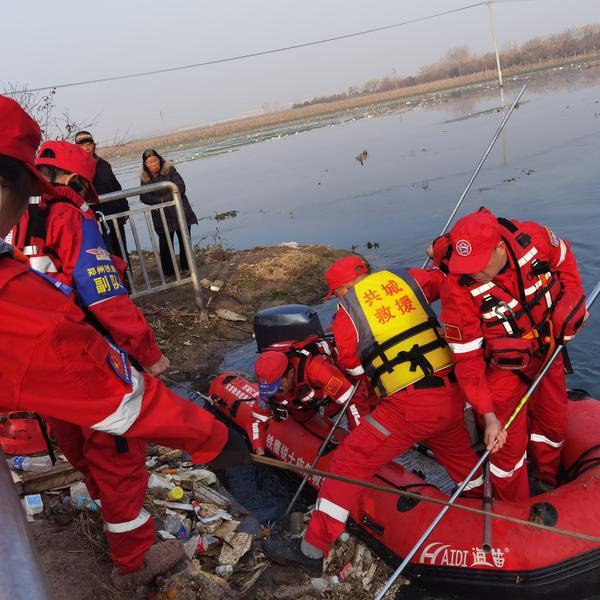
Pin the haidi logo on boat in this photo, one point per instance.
(440, 554)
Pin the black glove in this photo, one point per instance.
(235, 452)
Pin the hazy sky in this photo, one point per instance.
(65, 41)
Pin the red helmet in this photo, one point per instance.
(19, 137)
(71, 158)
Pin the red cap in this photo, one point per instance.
(270, 366)
(344, 270)
(473, 239)
(71, 158)
(19, 138)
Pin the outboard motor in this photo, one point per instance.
(283, 323)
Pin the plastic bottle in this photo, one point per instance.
(37, 464)
(175, 524)
(81, 503)
(205, 542)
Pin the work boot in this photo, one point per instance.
(288, 552)
(158, 560)
(538, 487)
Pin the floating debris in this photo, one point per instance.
(229, 214)
(362, 157)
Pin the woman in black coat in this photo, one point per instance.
(155, 169)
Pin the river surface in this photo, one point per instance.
(302, 183)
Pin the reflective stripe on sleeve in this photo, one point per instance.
(128, 411)
(537, 437)
(255, 431)
(345, 396)
(333, 510)
(468, 347)
(563, 253)
(128, 525)
(506, 474)
(356, 371)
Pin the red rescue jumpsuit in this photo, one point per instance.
(471, 324)
(73, 252)
(60, 366)
(322, 381)
(433, 414)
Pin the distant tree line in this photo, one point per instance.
(461, 61)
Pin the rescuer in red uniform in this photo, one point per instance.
(514, 288)
(61, 237)
(61, 367)
(385, 330)
(300, 378)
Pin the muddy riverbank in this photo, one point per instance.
(238, 284)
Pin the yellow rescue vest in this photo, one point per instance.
(399, 336)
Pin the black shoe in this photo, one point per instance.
(287, 552)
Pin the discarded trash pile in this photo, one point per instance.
(221, 540)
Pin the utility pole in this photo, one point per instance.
(493, 25)
(395, 78)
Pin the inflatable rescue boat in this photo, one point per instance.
(521, 562)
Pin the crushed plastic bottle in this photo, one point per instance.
(37, 464)
(177, 526)
(81, 503)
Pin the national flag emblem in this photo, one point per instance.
(453, 332)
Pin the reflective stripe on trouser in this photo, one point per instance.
(118, 481)
(398, 422)
(548, 423)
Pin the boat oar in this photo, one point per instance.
(483, 159)
(483, 458)
(322, 448)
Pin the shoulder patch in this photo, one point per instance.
(452, 332)
(553, 237)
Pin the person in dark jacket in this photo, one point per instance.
(155, 169)
(104, 183)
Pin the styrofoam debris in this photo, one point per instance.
(158, 481)
(237, 544)
(229, 315)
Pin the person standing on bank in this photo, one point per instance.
(155, 169)
(104, 183)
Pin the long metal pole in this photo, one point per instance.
(488, 502)
(478, 168)
(461, 487)
(493, 25)
(322, 449)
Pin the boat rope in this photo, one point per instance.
(400, 492)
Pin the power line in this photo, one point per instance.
(254, 54)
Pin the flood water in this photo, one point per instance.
(302, 183)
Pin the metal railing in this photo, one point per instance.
(150, 284)
(21, 574)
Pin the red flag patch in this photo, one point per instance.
(453, 332)
(333, 386)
